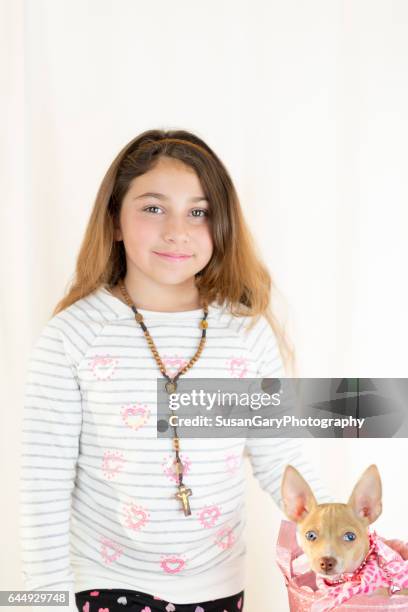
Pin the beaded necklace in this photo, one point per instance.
(183, 492)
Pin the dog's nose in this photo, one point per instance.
(327, 563)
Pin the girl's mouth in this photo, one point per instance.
(170, 257)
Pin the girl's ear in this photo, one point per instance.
(297, 497)
(365, 500)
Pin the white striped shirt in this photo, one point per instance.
(97, 485)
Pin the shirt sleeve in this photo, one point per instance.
(269, 456)
(51, 425)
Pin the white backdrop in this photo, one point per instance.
(305, 102)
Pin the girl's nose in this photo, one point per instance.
(176, 228)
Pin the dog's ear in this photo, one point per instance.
(365, 499)
(297, 497)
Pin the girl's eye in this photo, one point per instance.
(349, 536)
(311, 536)
(149, 207)
(200, 210)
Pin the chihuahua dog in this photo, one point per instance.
(347, 558)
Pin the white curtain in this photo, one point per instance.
(306, 103)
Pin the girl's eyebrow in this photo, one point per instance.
(161, 196)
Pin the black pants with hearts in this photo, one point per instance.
(122, 600)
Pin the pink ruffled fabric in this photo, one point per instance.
(383, 567)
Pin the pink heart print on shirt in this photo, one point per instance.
(103, 366)
(224, 538)
(135, 415)
(239, 603)
(103, 610)
(172, 564)
(136, 516)
(169, 466)
(112, 463)
(146, 609)
(94, 593)
(110, 550)
(85, 607)
(238, 366)
(232, 463)
(208, 516)
(170, 607)
(173, 364)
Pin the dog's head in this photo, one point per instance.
(334, 536)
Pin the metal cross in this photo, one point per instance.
(183, 494)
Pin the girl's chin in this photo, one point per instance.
(172, 279)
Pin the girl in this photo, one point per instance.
(167, 284)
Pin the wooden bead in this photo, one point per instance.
(171, 386)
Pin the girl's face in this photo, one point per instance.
(165, 211)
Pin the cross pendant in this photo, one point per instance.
(183, 494)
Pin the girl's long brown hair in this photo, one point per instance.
(235, 272)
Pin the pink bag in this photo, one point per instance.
(301, 587)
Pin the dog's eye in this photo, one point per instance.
(349, 536)
(311, 536)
